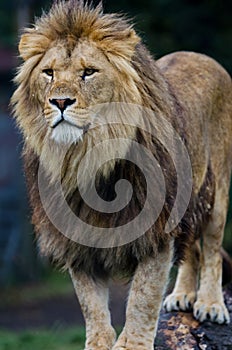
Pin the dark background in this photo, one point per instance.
(165, 26)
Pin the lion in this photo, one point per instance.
(80, 67)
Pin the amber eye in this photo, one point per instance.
(48, 72)
(88, 72)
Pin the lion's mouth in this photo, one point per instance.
(64, 132)
(64, 119)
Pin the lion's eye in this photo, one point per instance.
(48, 72)
(88, 72)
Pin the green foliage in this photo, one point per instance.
(7, 28)
(168, 25)
(57, 339)
(54, 283)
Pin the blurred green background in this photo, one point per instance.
(165, 25)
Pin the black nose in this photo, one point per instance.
(62, 103)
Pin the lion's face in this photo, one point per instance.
(68, 84)
(74, 69)
(71, 65)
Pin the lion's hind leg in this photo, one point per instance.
(210, 304)
(184, 293)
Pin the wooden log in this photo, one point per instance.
(180, 331)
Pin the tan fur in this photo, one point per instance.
(93, 299)
(144, 303)
(193, 94)
(185, 291)
(209, 304)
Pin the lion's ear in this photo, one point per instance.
(31, 44)
(130, 42)
(133, 37)
(123, 44)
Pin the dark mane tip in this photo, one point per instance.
(81, 5)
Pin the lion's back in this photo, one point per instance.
(205, 90)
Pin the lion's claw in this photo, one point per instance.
(215, 312)
(179, 301)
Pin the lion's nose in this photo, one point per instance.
(62, 103)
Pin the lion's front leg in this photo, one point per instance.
(93, 298)
(144, 303)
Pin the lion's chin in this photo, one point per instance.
(66, 133)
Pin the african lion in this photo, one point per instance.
(80, 64)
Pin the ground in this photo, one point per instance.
(176, 330)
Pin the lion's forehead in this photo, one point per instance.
(56, 54)
(83, 54)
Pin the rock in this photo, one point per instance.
(180, 331)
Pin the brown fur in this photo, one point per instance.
(191, 91)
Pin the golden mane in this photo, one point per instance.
(141, 81)
(74, 20)
(70, 22)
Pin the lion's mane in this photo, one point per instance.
(141, 81)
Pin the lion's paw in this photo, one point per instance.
(101, 340)
(98, 348)
(179, 301)
(125, 343)
(214, 312)
(135, 347)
